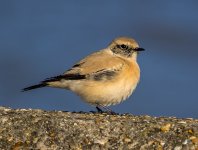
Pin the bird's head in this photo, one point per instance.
(125, 47)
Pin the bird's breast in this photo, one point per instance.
(112, 91)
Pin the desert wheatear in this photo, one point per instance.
(106, 77)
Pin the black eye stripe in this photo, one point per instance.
(123, 50)
(123, 46)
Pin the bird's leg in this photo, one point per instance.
(109, 111)
(99, 109)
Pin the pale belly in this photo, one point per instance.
(105, 93)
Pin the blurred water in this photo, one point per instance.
(39, 39)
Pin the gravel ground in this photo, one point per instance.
(38, 129)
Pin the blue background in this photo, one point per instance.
(43, 38)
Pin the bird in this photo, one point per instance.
(103, 78)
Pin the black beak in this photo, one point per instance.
(139, 49)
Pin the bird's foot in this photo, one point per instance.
(99, 109)
(108, 111)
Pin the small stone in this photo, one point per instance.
(101, 141)
(182, 122)
(166, 127)
(178, 148)
(185, 142)
(127, 140)
(194, 139)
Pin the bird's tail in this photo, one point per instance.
(42, 84)
(55, 81)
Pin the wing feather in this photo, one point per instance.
(97, 62)
(97, 66)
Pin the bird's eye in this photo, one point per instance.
(123, 46)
